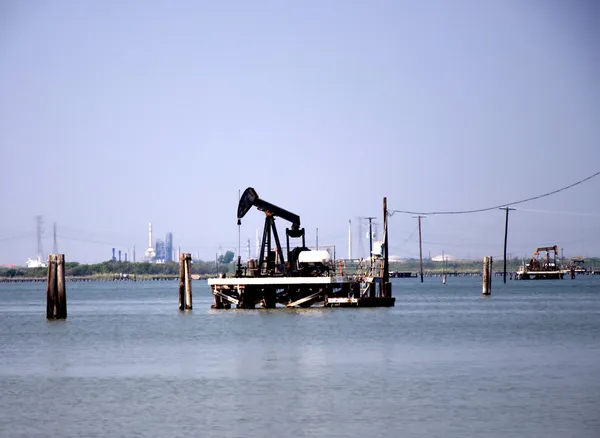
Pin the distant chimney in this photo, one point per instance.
(113, 256)
(119, 255)
(125, 257)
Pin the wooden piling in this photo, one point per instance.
(487, 275)
(185, 281)
(188, 282)
(181, 281)
(51, 287)
(56, 296)
(61, 302)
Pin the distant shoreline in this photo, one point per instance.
(128, 271)
(103, 278)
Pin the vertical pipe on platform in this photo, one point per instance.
(387, 286)
(349, 239)
(188, 281)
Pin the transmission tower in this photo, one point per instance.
(54, 242)
(39, 219)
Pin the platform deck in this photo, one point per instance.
(278, 281)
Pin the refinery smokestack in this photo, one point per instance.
(149, 234)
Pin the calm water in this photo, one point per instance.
(444, 362)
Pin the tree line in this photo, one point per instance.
(74, 269)
(226, 264)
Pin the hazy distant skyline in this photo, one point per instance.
(116, 114)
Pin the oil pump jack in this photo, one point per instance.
(298, 277)
(272, 261)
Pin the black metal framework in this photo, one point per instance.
(272, 262)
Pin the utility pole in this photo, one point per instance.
(420, 248)
(349, 239)
(387, 288)
(505, 237)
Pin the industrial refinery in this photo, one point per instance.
(159, 251)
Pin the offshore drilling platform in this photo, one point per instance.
(298, 276)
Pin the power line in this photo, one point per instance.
(567, 213)
(408, 238)
(23, 236)
(495, 207)
(99, 242)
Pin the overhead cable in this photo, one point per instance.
(495, 207)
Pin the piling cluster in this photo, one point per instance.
(56, 295)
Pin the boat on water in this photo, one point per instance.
(544, 268)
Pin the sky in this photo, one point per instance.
(116, 114)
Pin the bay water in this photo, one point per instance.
(444, 362)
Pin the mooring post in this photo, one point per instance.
(56, 296)
(188, 281)
(61, 302)
(51, 287)
(487, 275)
(181, 282)
(185, 281)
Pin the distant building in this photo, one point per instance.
(393, 258)
(159, 250)
(36, 263)
(169, 247)
(441, 258)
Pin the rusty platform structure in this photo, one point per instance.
(300, 277)
(546, 268)
(268, 292)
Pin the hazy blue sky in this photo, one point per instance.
(114, 114)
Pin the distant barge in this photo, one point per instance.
(300, 277)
